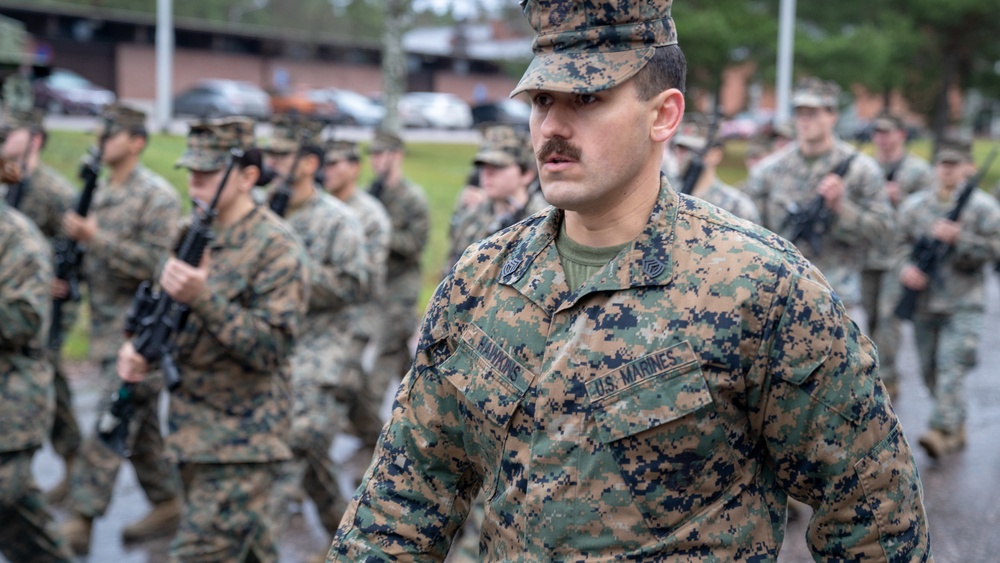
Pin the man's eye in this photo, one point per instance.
(586, 99)
(541, 100)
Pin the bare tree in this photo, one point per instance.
(398, 18)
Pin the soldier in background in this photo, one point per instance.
(692, 139)
(230, 417)
(132, 221)
(508, 177)
(949, 315)
(905, 174)
(333, 239)
(406, 204)
(28, 533)
(45, 196)
(857, 207)
(341, 168)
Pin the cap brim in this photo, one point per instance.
(494, 158)
(812, 101)
(277, 145)
(950, 156)
(582, 73)
(690, 142)
(202, 160)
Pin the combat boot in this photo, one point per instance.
(939, 443)
(76, 531)
(57, 495)
(162, 520)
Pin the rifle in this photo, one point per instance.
(281, 197)
(696, 167)
(69, 253)
(16, 191)
(929, 252)
(810, 223)
(154, 319)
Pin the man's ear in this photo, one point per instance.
(669, 111)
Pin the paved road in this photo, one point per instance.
(961, 491)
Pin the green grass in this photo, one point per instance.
(440, 168)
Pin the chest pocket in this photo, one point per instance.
(655, 416)
(492, 385)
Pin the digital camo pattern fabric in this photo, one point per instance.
(656, 413)
(47, 198)
(137, 222)
(25, 306)
(959, 281)
(912, 174)
(334, 245)
(378, 229)
(234, 400)
(732, 200)
(473, 224)
(786, 180)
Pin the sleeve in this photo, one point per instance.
(836, 443)
(756, 188)
(24, 291)
(409, 236)
(261, 333)
(865, 215)
(420, 486)
(979, 240)
(138, 258)
(339, 277)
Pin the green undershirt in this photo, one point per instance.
(581, 262)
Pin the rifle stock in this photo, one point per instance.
(155, 319)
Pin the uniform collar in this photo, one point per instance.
(533, 267)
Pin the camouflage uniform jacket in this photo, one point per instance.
(406, 205)
(475, 223)
(786, 179)
(334, 243)
(47, 198)
(959, 280)
(26, 391)
(913, 174)
(732, 200)
(378, 229)
(658, 413)
(233, 404)
(136, 222)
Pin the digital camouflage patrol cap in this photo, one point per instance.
(289, 132)
(502, 146)
(693, 132)
(385, 141)
(888, 122)
(953, 151)
(816, 93)
(120, 117)
(21, 119)
(210, 142)
(336, 151)
(586, 47)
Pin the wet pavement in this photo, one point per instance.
(961, 491)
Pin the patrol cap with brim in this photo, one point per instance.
(693, 133)
(288, 131)
(121, 117)
(209, 143)
(22, 119)
(953, 151)
(816, 93)
(888, 122)
(385, 141)
(336, 151)
(503, 146)
(586, 47)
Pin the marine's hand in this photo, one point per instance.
(60, 289)
(131, 366)
(946, 231)
(81, 229)
(831, 187)
(184, 282)
(913, 278)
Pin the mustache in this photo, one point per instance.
(558, 145)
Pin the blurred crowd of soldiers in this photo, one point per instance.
(290, 298)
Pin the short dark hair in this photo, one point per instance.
(667, 69)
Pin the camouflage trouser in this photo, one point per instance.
(393, 356)
(225, 513)
(317, 416)
(65, 435)
(888, 328)
(27, 531)
(947, 345)
(363, 400)
(97, 465)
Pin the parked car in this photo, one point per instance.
(64, 91)
(438, 110)
(506, 112)
(351, 108)
(218, 97)
(303, 101)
